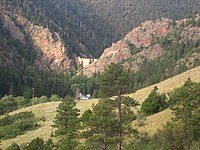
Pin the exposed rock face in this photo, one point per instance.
(144, 34)
(51, 52)
(140, 37)
(151, 40)
(152, 52)
(117, 52)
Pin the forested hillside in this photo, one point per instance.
(154, 51)
(81, 35)
(88, 26)
(40, 38)
(46, 112)
(126, 14)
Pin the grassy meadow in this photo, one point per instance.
(151, 124)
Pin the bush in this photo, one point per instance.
(14, 146)
(154, 103)
(11, 126)
(36, 144)
(39, 144)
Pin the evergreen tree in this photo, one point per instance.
(100, 125)
(67, 123)
(154, 103)
(185, 128)
(114, 82)
(36, 144)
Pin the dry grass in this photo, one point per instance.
(47, 111)
(168, 85)
(152, 123)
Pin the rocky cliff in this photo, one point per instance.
(51, 51)
(150, 41)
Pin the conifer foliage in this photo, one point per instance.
(67, 123)
(185, 128)
(113, 82)
(154, 103)
(101, 125)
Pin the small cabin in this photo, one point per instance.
(84, 97)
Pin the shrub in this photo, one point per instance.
(154, 103)
(13, 146)
(11, 126)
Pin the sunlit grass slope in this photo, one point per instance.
(151, 124)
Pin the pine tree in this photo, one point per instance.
(114, 82)
(100, 125)
(67, 123)
(185, 126)
(154, 103)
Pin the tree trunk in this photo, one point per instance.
(119, 119)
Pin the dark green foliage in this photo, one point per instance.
(69, 20)
(175, 136)
(36, 144)
(154, 103)
(7, 104)
(43, 83)
(100, 125)
(13, 146)
(134, 50)
(76, 26)
(11, 126)
(113, 82)
(93, 24)
(67, 123)
(185, 128)
(177, 50)
(146, 143)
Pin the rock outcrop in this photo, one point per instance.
(141, 37)
(51, 51)
(151, 40)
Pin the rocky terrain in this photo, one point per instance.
(51, 51)
(145, 43)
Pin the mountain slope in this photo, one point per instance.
(48, 110)
(88, 26)
(154, 51)
(48, 51)
(77, 31)
(126, 14)
(150, 41)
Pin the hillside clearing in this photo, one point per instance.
(151, 124)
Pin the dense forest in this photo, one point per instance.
(96, 24)
(126, 14)
(21, 77)
(81, 34)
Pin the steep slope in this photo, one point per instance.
(152, 123)
(79, 33)
(88, 26)
(154, 51)
(126, 14)
(49, 48)
(136, 45)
